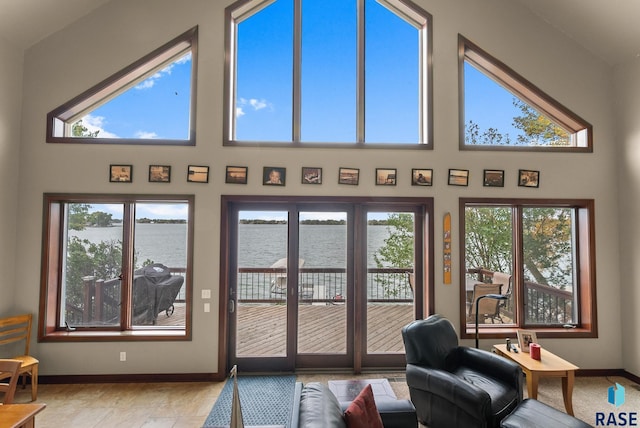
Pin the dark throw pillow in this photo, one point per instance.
(362, 412)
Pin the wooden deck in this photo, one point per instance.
(322, 329)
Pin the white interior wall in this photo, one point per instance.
(627, 108)
(122, 31)
(10, 106)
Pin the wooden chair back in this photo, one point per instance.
(15, 329)
(9, 369)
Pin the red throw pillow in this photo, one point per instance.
(362, 412)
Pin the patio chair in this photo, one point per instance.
(279, 283)
(487, 308)
(9, 368)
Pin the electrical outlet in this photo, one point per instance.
(206, 294)
(123, 356)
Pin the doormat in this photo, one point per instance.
(265, 400)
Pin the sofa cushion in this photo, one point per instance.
(362, 412)
(319, 408)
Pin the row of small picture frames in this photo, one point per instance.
(277, 176)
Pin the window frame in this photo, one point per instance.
(405, 9)
(586, 325)
(53, 230)
(61, 119)
(580, 131)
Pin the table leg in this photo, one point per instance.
(532, 384)
(567, 391)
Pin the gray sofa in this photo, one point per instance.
(315, 406)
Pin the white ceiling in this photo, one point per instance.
(607, 28)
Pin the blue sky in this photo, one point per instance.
(168, 211)
(159, 106)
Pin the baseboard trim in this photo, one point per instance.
(131, 378)
(217, 377)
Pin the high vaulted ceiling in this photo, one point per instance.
(608, 29)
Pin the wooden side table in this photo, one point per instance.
(19, 415)
(550, 365)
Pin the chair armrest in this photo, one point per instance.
(486, 362)
(295, 410)
(466, 396)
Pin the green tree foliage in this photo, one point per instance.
(536, 128)
(547, 245)
(84, 258)
(79, 130)
(488, 238)
(397, 252)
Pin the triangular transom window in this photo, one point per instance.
(501, 109)
(152, 101)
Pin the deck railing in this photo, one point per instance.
(545, 305)
(317, 285)
(101, 298)
(101, 301)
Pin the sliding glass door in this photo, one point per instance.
(322, 285)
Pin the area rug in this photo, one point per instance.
(265, 400)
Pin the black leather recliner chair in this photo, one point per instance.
(457, 386)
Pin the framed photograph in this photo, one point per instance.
(311, 175)
(528, 178)
(493, 178)
(236, 175)
(197, 174)
(386, 176)
(159, 173)
(274, 176)
(421, 177)
(458, 177)
(121, 173)
(526, 338)
(348, 176)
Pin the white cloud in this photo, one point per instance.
(257, 104)
(254, 103)
(150, 81)
(97, 123)
(146, 135)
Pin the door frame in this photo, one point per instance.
(423, 286)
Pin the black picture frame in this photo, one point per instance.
(350, 176)
(274, 176)
(528, 178)
(421, 177)
(236, 174)
(159, 173)
(458, 177)
(119, 173)
(493, 178)
(198, 174)
(311, 175)
(386, 176)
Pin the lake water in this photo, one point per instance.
(261, 245)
